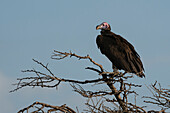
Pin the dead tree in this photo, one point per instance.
(118, 93)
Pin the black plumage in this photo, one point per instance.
(119, 51)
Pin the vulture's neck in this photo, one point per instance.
(105, 32)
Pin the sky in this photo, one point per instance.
(34, 28)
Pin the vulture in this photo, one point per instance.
(119, 51)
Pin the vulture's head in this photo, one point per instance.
(103, 26)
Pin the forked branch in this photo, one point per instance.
(161, 96)
(46, 80)
(46, 108)
(61, 55)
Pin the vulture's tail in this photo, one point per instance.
(140, 74)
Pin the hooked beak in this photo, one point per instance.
(98, 27)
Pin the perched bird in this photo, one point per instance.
(119, 51)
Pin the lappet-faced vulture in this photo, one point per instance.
(119, 51)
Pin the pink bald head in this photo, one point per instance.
(103, 26)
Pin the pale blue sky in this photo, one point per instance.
(34, 28)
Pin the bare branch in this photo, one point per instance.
(161, 97)
(89, 94)
(61, 55)
(45, 80)
(49, 108)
